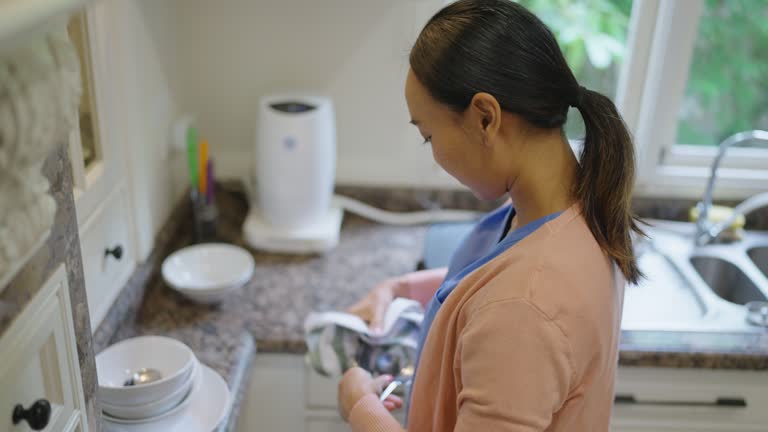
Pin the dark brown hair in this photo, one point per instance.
(499, 47)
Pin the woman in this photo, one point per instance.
(521, 331)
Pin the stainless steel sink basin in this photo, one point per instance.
(690, 288)
(727, 280)
(759, 256)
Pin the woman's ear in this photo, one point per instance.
(485, 116)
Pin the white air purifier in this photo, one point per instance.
(295, 164)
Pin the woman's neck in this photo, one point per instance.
(544, 184)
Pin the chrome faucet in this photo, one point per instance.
(705, 231)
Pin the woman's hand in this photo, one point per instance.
(373, 306)
(358, 383)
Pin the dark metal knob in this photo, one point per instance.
(37, 416)
(116, 252)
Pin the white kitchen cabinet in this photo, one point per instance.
(284, 395)
(98, 164)
(686, 400)
(275, 397)
(40, 361)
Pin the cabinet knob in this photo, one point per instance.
(116, 252)
(37, 416)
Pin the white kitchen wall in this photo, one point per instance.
(230, 52)
(146, 39)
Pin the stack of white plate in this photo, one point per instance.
(208, 273)
(188, 396)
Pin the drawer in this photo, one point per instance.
(321, 402)
(105, 275)
(326, 425)
(662, 399)
(321, 392)
(40, 361)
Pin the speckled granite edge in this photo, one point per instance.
(682, 350)
(694, 349)
(240, 374)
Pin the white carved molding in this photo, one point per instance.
(39, 96)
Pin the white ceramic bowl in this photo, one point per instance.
(114, 365)
(208, 268)
(188, 396)
(209, 297)
(152, 409)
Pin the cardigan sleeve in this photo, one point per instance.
(515, 369)
(370, 415)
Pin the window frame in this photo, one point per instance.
(661, 42)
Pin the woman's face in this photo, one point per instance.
(459, 140)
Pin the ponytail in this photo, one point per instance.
(605, 180)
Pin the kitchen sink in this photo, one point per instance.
(664, 295)
(759, 256)
(696, 288)
(727, 280)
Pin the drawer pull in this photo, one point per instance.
(116, 252)
(728, 402)
(37, 416)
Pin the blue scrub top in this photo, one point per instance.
(484, 243)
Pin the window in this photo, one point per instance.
(697, 57)
(593, 37)
(726, 88)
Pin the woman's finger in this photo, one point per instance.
(389, 406)
(377, 317)
(395, 400)
(361, 310)
(380, 382)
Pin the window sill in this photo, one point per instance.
(675, 181)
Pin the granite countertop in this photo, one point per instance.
(271, 307)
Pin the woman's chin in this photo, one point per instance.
(483, 195)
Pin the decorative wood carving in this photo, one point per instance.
(39, 95)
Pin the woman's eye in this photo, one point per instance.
(428, 139)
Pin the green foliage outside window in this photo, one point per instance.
(727, 89)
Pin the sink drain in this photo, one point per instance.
(757, 313)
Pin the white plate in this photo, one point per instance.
(208, 267)
(210, 404)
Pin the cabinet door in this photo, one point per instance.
(321, 401)
(326, 425)
(108, 256)
(101, 191)
(40, 361)
(690, 400)
(275, 398)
